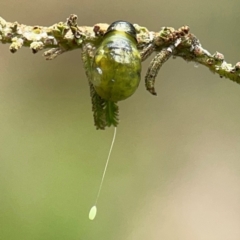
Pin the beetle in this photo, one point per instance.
(116, 67)
(113, 69)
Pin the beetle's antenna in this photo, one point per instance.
(93, 210)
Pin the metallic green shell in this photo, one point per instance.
(116, 66)
(123, 26)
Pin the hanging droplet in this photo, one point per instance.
(92, 212)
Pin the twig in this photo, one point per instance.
(66, 36)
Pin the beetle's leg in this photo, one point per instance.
(98, 104)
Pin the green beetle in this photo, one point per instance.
(113, 68)
(116, 66)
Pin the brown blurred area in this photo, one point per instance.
(175, 168)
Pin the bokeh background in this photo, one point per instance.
(174, 172)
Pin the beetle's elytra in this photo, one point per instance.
(116, 66)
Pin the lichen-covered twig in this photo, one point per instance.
(60, 38)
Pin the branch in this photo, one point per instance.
(66, 36)
(59, 37)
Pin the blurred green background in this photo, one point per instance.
(174, 172)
